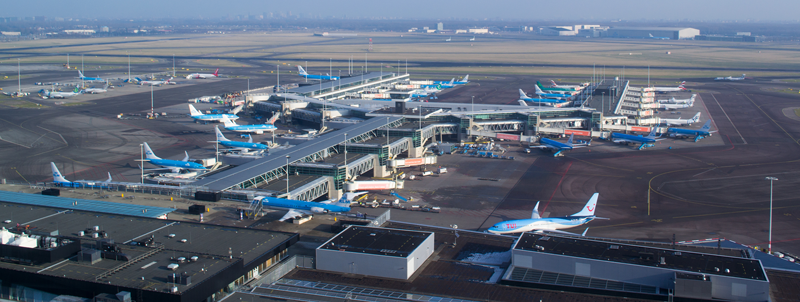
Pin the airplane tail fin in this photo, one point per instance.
(109, 177)
(137, 79)
(453, 80)
(538, 90)
(553, 83)
(651, 35)
(249, 138)
(535, 214)
(186, 158)
(167, 81)
(539, 84)
(228, 122)
(653, 132)
(466, 79)
(522, 103)
(148, 153)
(193, 111)
(220, 136)
(237, 109)
(569, 141)
(216, 72)
(301, 71)
(589, 208)
(696, 118)
(80, 74)
(274, 118)
(522, 94)
(57, 177)
(706, 126)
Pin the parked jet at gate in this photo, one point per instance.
(552, 224)
(203, 75)
(524, 97)
(550, 89)
(258, 129)
(244, 146)
(646, 141)
(729, 78)
(675, 106)
(302, 72)
(60, 181)
(473, 38)
(559, 96)
(698, 134)
(171, 164)
(197, 115)
(678, 101)
(47, 94)
(554, 85)
(671, 89)
(658, 38)
(89, 79)
(440, 85)
(558, 147)
(153, 83)
(679, 121)
(97, 90)
(298, 208)
(453, 82)
(449, 39)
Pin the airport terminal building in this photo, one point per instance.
(673, 33)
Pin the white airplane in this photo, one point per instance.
(47, 94)
(473, 39)
(197, 115)
(449, 39)
(153, 83)
(257, 129)
(679, 121)
(552, 224)
(96, 90)
(675, 106)
(729, 78)
(203, 75)
(554, 85)
(671, 89)
(678, 101)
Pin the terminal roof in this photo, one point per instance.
(84, 204)
(641, 255)
(378, 241)
(343, 82)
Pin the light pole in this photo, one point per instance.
(141, 152)
(345, 156)
(473, 104)
(19, 79)
(287, 176)
(771, 179)
(173, 65)
(603, 102)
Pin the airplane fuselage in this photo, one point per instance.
(319, 77)
(688, 132)
(280, 203)
(215, 117)
(235, 144)
(556, 145)
(170, 163)
(527, 225)
(252, 128)
(633, 138)
(552, 101)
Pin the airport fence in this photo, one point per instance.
(287, 265)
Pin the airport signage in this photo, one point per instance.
(578, 132)
(414, 161)
(640, 129)
(508, 137)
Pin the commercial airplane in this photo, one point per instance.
(675, 106)
(96, 90)
(304, 74)
(671, 89)
(298, 208)
(421, 93)
(449, 39)
(558, 147)
(698, 134)
(679, 121)
(203, 75)
(658, 38)
(47, 94)
(88, 79)
(171, 164)
(258, 129)
(552, 224)
(554, 85)
(236, 109)
(473, 38)
(524, 97)
(453, 82)
(153, 83)
(646, 141)
(678, 101)
(197, 115)
(559, 96)
(441, 85)
(60, 181)
(244, 146)
(567, 89)
(729, 78)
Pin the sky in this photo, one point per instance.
(600, 10)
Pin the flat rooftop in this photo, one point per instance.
(377, 241)
(642, 255)
(84, 205)
(217, 247)
(344, 81)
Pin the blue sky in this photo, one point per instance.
(768, 10)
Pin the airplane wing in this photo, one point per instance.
(291, 214)
(540, 147)
(559, 232)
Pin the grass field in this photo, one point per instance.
(389, 48)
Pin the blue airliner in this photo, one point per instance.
(558, 147)
(524, 97)
(89, 79)
(298, 208)
(698, 134)
(302, 72)
(60, 181)
(258, 129)
(222, 140)
(441, 85)
(538, 224)
(463, 81)
(197, 115)
(646, 141)
(174, 165)
(559, 96)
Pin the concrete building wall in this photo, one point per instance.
(420, 255)
(375, 265)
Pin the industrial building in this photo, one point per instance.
(635, 269)
(674, 33)
(737, 38)
(377, 252)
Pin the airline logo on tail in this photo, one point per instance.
(228, 123)
(301, 71)
(194, 111)
(216, 72)
(681, 85)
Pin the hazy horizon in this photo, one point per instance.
(710, 10)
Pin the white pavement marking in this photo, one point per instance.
(150, 232)
(45, 217)
(729, 119)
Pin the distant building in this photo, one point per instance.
(104, 29)
(10, 33)
(557, 31)
(673, 33)
(737, 38)
(743, 33)
(79, 31)
(440, 26)
(478, 30)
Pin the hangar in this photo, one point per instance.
(674, 33)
